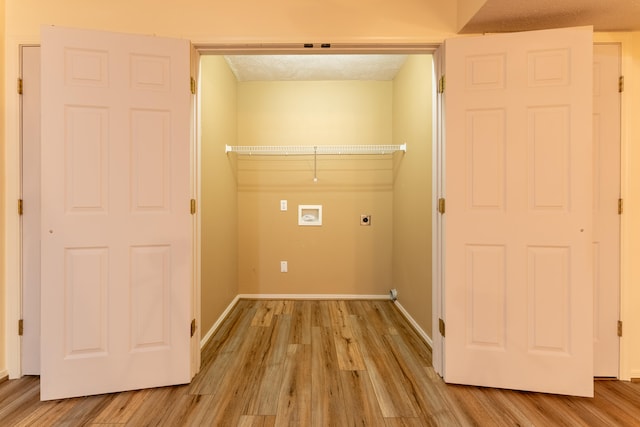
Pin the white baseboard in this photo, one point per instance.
(312, 296)
(415, 325)
(218, 322)
(634, 375)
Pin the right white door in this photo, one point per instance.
(606, 219)
(518, 293)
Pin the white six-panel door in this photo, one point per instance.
(518, 267)
(116, 226)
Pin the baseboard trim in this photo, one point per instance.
(4, 375)
(204, 340)
(313, 296)
(415, 325)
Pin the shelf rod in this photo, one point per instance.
(302, 150)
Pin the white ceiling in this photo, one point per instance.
(315, 67)
(523, 15)
(493, 16)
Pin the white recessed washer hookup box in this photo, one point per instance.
(310, 215)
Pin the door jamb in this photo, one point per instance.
(627, 307)
(438, 219)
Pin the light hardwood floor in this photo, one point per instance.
(319, 363)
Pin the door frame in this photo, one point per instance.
(14, 235)
(626, 303)
(616, 45)
(13, 164)
(438, 220)
(12, 220)
(33, 50)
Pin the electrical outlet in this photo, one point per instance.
(284, 267)
(365, 219)
(283, 205)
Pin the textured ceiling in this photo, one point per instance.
(522, 15)
(315, 67)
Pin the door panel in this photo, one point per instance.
(85, 290)
(117, 230)
(518, 290)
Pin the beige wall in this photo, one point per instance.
(466, 10)
(218, 203)
(339, 257)
(314, 113)
(412, 123)
(244, 20)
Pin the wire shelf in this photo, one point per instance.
(304, 150)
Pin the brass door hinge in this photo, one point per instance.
(620, 84)
(441, 327)
(20, 86)
(620, 207)
(193, 86)
(620, 328)
(441, 205)
(193, 327)
(441, 84)
(193, 206)
(21, 327)
(20, 207)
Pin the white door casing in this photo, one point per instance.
(606, 219)
(196, 190)
(116, 227)
(30, 136)
(439, 220)
(518, 277)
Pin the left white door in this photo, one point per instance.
(116, 227)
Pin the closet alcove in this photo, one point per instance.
(264, 141)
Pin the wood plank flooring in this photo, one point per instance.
(319, 363)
